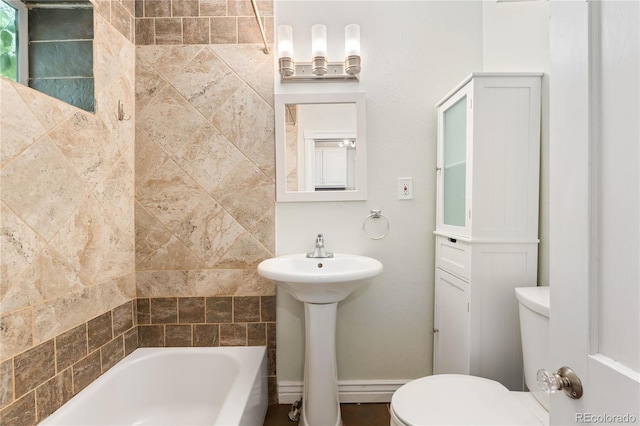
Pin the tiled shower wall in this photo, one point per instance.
(68, 258)
(204, 175)
(202, 195)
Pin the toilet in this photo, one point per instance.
(455, 399)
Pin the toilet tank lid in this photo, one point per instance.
(538, 299)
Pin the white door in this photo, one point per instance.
(594, 213)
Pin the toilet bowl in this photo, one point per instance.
(454, 399)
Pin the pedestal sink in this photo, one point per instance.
(320, 283)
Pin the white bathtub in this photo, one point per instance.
(175, 386)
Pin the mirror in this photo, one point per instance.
(321, 147)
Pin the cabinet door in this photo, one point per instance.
(451, 323)
(453, 147)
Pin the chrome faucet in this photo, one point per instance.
(319, 251)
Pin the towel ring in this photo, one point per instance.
(375, 214)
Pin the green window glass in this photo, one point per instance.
(9, 41)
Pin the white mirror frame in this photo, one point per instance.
(360, 191)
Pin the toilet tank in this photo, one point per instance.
(534, 328)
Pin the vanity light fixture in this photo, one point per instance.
(319, 69)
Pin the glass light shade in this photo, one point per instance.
(318, 40)
(285, 41)
(352, 40)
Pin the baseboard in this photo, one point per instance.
(350, 391)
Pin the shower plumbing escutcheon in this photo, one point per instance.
(565, 379)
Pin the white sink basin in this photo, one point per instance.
(320, 280)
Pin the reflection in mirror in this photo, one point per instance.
(48, 45)
(320, 147)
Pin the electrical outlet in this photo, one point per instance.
(405, 188)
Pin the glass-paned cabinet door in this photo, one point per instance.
(454, 164)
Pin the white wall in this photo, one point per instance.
(516, 38)
(413, 53)
(411, 58)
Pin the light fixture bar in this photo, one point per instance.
(304, 72)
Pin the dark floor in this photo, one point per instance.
(352, 415)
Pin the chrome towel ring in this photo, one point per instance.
(376, 214)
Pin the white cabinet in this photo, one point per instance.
(486, 222)
(331, 167)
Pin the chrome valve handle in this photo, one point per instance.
(565, 379)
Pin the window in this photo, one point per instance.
(14, 53)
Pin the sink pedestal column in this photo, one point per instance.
(320, 404)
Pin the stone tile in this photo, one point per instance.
(253, 284)
(209, 231)
(85, 240)
(164, 310)
(120, 261)
(49, 111)
(188, 283)
(45, 189)
(129, 6)
(145, 30)
(85, 142)
(6, 383)
(185, 8)
(169, 120)
(268, 308)
(143, 311)
(224, 30)
(20, 127)
(168, 61)
(19, 248)
(71, 347)
(271, 362)
(122, 318)
(171, 256)
(245, 119)
(151, 336)
(86, 371)
(121, 19)
(252, 65)
(103, 9)
(249, 31)
(168, 30)
(139, 8)
(178, 335)
(191, 310)
(112, 353)
(99, 331)
(244, 8)
(116, 197)
(219, 309)
(256, 334)
(206, 335)
(208, 157)
(150, 234)
(195, 30)
(54, 393)
(246, 193)
(16, 332)
(170, 195)
(246, 309)
(271, 335)
(206, 82)
(49, 276)
(154, 8)
(34, 367)
(245, 253)
(130, 341)
(148, 83)
(213, 7)
(233, 334)
(63, 313)
(20, 413)
(149, 157)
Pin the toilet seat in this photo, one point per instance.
(452, 399)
